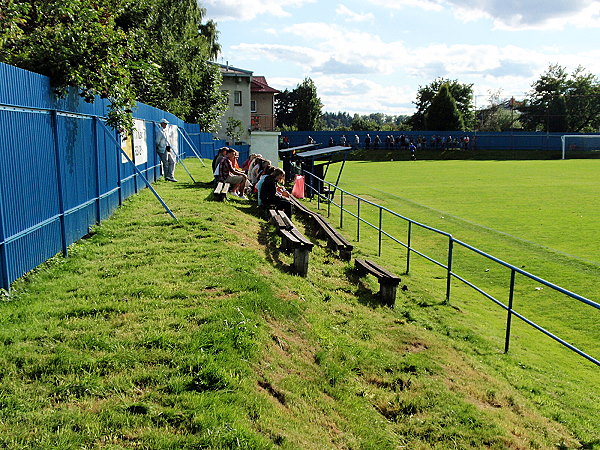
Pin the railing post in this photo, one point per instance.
(318, 199)
(408, 248)
(510, 307)
(358, 222)
(328, 205)
(59, 184)
(449, 276)
(380, 228)
(341, 209)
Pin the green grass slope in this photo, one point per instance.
(194, 334)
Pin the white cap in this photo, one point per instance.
(164, 121)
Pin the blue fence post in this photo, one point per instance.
(380, 228)
(510, 307)
(341, 209)
(358, 222)
(59, 183)
(408, 242)
(449, 276)
(3, 251)
(119, 180)
(97, 161)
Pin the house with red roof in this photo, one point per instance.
(262, 105)
(251, 101)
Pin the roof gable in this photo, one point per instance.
(259, 85)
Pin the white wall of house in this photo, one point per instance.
(238, 106)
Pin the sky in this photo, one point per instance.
(371, 56)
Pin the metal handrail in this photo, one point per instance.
(448, 266)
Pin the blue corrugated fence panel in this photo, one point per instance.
(58, 160)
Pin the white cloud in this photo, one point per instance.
(512, 14)
(351, 16)
(427, 5)
(520, 14)
(304, 56)
(246, 10)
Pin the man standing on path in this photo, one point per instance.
(165, 151)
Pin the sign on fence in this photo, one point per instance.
(135, 145)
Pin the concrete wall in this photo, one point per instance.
(267, 144)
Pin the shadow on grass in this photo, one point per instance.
(363, 293)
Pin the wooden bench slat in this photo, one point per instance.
(388, 282)
(334, 237)
(377, 270)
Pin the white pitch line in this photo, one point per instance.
(446, 214)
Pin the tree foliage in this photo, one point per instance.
(153, 51)
(559, 101)
(308, 106)
(461, 93)
(285, 108)
(443, 113)
(343, 121)
(499, 115)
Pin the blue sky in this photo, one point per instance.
(372, 55)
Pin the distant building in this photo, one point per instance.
(236, 83)
(251, 100)
(262, 105)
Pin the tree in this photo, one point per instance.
(499, 115)
(285, 108)
(580, 92)
(443, 113)
(557, 114)
(153, 51)
(361, 123)
(308, 106)
(462, 94)
(234, 129)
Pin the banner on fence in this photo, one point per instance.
(140, 146)
(135, 145)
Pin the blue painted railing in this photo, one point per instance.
(330, 201)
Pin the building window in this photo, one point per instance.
(252, 105)
(237, 98)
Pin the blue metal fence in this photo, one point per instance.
(61, 170)
(505, 141)
(447, 264)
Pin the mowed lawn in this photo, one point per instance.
(541, 216)
(555, 204)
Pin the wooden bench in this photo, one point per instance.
(388, 282)
(221, 191)
(325, 230)
(292, 241)
(280, 219)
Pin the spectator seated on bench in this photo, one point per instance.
(388, 282)
(228, 174)
(273, 197)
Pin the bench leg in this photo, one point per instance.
(387, 291)
(345, 255)
(301, 261)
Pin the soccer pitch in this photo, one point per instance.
(540, 216)
(554, 205)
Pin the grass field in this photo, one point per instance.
(541, 216)
(194, 334)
